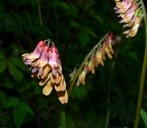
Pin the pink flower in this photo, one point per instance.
(107, 45)
(127, 16)
(132, 32)
(122, 7)
(82, 76)
(46, 66)
(54, 58)
(35, 54)
(91, 64)
(128, 10)
(41, 62)
(100, 56)
(43, 59)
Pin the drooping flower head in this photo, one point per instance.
(131, 15)
(46, 65)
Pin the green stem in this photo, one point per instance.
(81, 66)
(140, 95)
(62, 116)
(39, 12)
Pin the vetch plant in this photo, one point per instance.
(46, 66)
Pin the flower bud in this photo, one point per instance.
(91, 64)
(82, 76)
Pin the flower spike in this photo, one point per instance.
(95, 58)
(46, 65)
(131, 15)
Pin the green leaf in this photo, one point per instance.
(144, 116)
(84, 38)
(3, 65)
(74, 10)
(90, 31)
(80, 92)
(12, 102)
(64, 5)
(26, 107)
(18, 62)
(98, 18)
(75, 24)
(14, 71)
(19, 116)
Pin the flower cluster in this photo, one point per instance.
(97, 58)
(46, 65)
(131, 15)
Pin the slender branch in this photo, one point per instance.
(142, 80)
(39, 13)
(81, 66)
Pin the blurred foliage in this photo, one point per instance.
(144, 116)
(75, 27)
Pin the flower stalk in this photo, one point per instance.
(132, 12)
(39, 12)
(143, 73)
(85, 64)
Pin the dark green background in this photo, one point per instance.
(75, 26)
